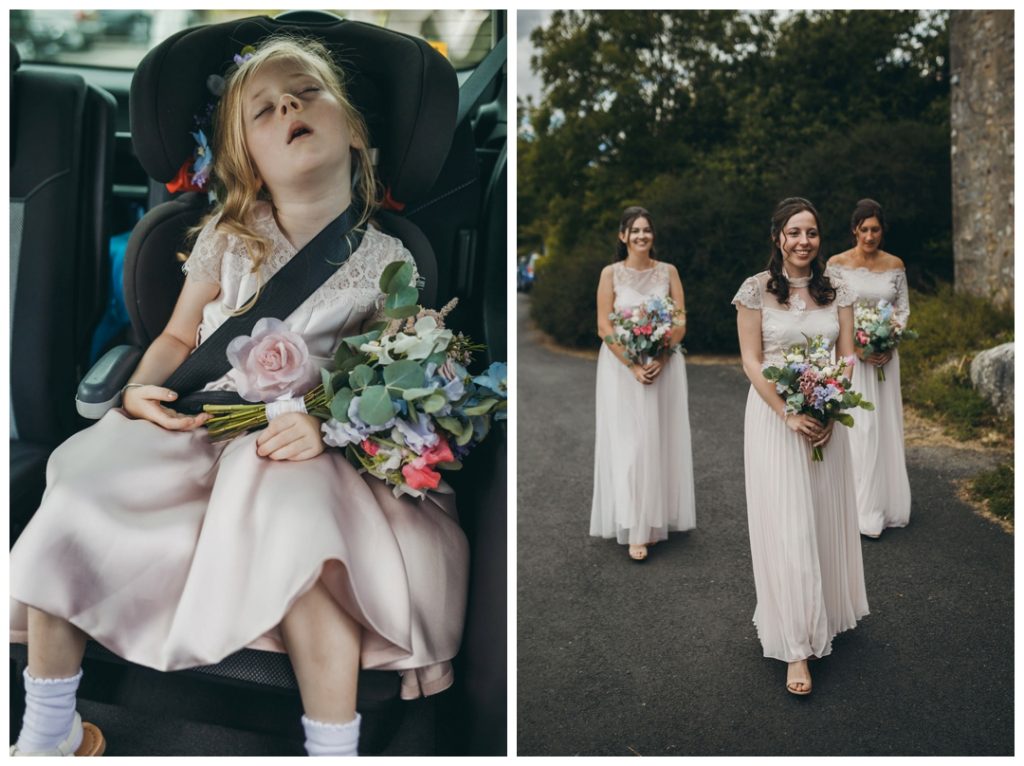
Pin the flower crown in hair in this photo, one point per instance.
(194, 173)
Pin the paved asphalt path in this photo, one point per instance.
(661, 658)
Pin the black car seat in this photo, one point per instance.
(408, 93)
(62, 149)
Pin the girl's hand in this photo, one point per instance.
(654, 368)
(826, 435)
(880, 359)
(641, 374)
(291, 436)
(805, 425)
(143, 403)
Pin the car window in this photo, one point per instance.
(120, 38)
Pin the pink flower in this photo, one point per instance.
(439, 453)
(420, 477)
(369, 447)
(862, 338)
(273, 362)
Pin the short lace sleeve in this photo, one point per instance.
(844, 295)
(749, 294)
(203, 264)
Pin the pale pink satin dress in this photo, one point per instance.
(173, 552)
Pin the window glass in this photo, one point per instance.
(120, 38)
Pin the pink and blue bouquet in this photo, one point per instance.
(399, 398)
(644, 331)
(877, 330)
(813, 384)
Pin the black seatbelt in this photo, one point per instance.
(284, 292)
(482, 77)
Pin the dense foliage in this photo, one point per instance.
(707, 118)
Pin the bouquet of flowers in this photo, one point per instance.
(878, 331)
(644, 330)
(399, 398)
(812, 384)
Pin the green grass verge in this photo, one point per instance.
(936, 367)
(996, 486)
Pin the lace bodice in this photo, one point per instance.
(870, 287)
(340, 307)
(633, 287)
(781, 326)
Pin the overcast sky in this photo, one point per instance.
(527, 83)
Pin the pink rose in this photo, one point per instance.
(370, 447)
(271, 363)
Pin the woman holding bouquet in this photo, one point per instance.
(802, 517)
(879, 465)
(174, 551)
(643, 468)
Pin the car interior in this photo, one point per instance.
(92, 149)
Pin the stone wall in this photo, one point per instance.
(981, 122)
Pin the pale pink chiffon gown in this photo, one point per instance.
(802, 515)
(643, 463)
(879, 462)
(173, 552)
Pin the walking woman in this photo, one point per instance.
(879, 465)
(643, 468)
(802, 515)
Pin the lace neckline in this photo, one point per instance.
(865, 269)
(796, 281)
(640, 271)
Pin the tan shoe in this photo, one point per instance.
(638, 552)
(92, 742)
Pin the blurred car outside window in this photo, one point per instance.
(120, 38)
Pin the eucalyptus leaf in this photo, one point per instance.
(325, 377)
(453, 465)
(450, 424)
(483, 407)
(412, 394)
(360, 377)
(395, 276)
(433, 403)
(375, 406)
(463, 438)
(404, 374)
(340, 404)
(399, 312)
(358, 340)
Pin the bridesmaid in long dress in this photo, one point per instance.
(802, 516)
(879, 465)
(643, 467)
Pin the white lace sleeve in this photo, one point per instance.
(902, 305)
(203, 264)
(749, 294)
(844, 295)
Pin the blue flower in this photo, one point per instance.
(204, 160)
(419, 436)
(494, 379)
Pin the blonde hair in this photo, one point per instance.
(236, 182)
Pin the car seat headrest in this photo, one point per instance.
(406, 91)
(15, 58)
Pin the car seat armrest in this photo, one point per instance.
(101, 388)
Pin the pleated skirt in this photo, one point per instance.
(876, 442)
(804, 540)
(643, 464)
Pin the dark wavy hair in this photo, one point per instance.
(629, 215)
(820, 287)
(865, 209)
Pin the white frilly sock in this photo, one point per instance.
(49, 712)
(332, 738)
